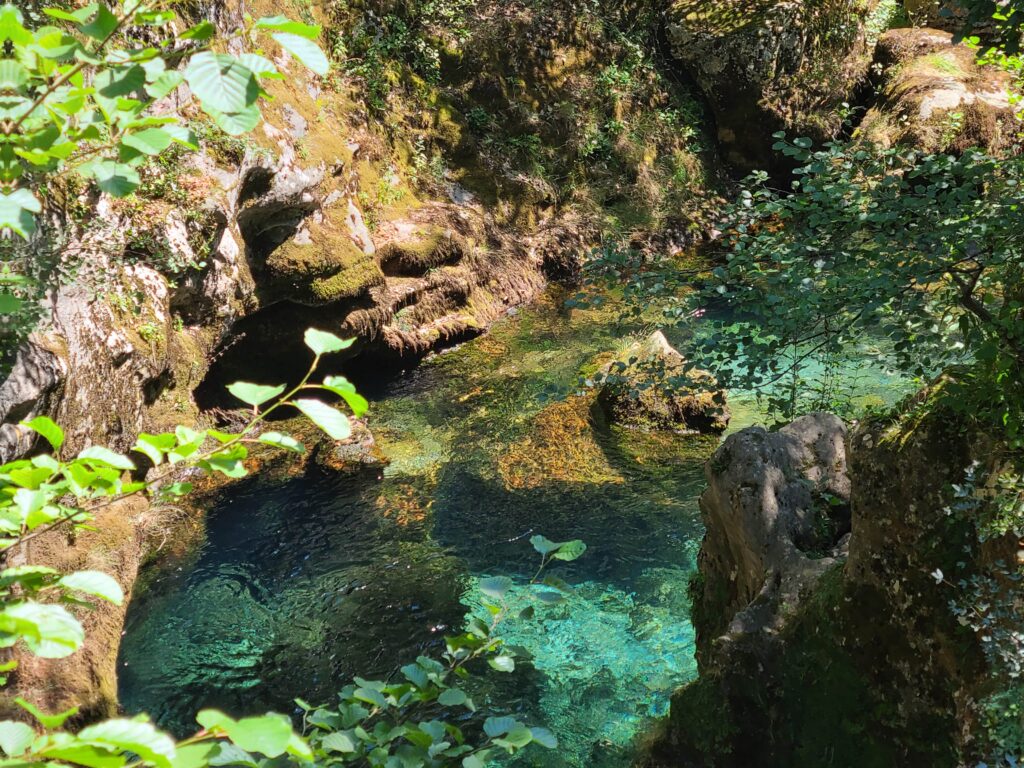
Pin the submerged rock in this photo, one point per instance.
(360, 451)
(936, 97)
(647, 390)
(561, 447)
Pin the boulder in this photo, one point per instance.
(772, 65)
(652, 388)
(777, 513)
(936, 98)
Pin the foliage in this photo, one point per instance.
(1006, 17)
(95, 94)
(81, 91)
(918, 251)
(374, 47)
(375, 723)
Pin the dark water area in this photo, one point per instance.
(301, 584)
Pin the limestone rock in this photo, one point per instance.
(644, 390)
(776, 512)
(936, 98)
(802, 654)
(771, 65)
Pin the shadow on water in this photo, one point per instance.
(302, 584)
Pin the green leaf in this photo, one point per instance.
(284, 24)
(452, 697)
(503, 663)
(99, 454)
(416, 675)
(151, 141)
(496, 586)
(102, 24)
(46, 427)
(116, 179)
(255, 394)
(165, 84)
(234, 123)
(87, 755)
(49, 631)
(258, 65)
(16, 212)
(201, 32)
(557, 583)
(330, 420)
(15, 738)
(94, 583)
(338, 742)
(543, 545)
(195, 755)
(479, 760)
(345, 389)
(138, 736)
(550, 598)
(11, 26)
(154, 446)
(499, 726)
(323, 343)
(517, 738)
(221, 82)
(268, 735)
(226, 465)
(28, 501)
(570, 550)
(9, 303)
(306, 51)
(544, 737)
(47, 721)
(279, 440)
(13, 76)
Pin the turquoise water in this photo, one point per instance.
(303, 583)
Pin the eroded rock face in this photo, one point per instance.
(936, 97)
(646, 391)
(771, 65)
(802, 655)
(88, 678)
(776, 511)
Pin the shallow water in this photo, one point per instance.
(301, 584)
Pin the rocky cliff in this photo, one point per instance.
(817, 647)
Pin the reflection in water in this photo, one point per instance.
(302, 584)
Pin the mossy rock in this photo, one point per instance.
(562, 447)
(646, 390)
(422, 250)
(322, 265)
(936, 98)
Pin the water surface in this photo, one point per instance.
(301, 584)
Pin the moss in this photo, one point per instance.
(347, 283)
(429, 248)
(562, 447)
(704, 714)
(326, 268)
